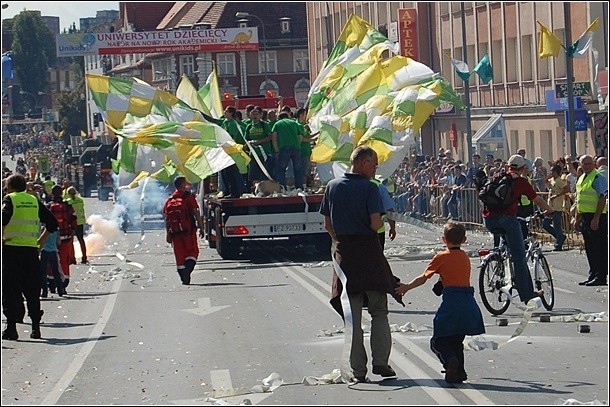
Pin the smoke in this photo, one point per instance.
(131, 208)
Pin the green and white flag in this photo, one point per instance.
(461, 69)
(484, 70)
(580, 47)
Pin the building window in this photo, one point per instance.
(160, 69)
(300, 60)
(285, 24)
(225, 64)
(187, 65)
(301, 91)
(271, 62)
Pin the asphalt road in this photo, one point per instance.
(129, 333)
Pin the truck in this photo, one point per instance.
(233, 225)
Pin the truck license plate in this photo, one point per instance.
(288, 228)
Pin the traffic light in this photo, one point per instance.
(96, 120)
(227, 96)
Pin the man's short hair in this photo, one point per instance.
(179, 181)
(17, 182)
(361, 153)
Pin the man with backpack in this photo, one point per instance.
(500, 196)
(182, 217)
(66, 219)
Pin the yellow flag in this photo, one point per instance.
(549, 44)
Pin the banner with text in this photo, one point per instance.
(407, 30)
(219, 39)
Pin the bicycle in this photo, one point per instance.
(496, 276)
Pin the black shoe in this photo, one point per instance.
(596, 282)
(558, 249)
(451, 371)
(360, 379)
(384, 371)
(10, 334)
(44, 294)
(84, 261)
(35, 334)
(585, 282)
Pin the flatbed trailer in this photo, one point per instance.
(234, 224)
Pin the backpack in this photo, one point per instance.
(496, 193)
(177, 216)
(63, 216)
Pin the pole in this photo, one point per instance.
(264, 48)
(466, 89)
(569, 74)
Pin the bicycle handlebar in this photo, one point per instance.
(535, 215)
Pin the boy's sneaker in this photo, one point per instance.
(10, 334)
(384, 371)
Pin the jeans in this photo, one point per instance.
(285, 155)
(514, 242)
(555, 230)
(452, 205)
(233, 181)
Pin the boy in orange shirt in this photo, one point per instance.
(458, 315)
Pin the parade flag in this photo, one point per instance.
(483, 69)
(580, 47)
(117, 98)
(368, 95)
(210, 95)
(461, 69)
(187, 92)
(549, 44)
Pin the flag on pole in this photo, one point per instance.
(483, 69)
(367, 95)
(461, 69)
(580, 47)
(210, 95)
(549, 44)
(187, 92)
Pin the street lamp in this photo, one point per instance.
(244, 15)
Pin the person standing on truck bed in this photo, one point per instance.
(286, 138)
(182, 217)
(258, 133)
(232, 180)
(352, 209)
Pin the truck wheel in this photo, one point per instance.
(226, 249)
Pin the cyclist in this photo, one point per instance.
(507, 220)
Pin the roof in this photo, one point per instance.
(486, 128)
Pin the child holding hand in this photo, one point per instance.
(458, 315)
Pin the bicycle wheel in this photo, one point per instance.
(491, 280)
(544, 282)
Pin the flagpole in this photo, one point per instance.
(570, 74)
(466, 89)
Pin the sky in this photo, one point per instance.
(68, 12)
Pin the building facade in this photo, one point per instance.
(517, 109)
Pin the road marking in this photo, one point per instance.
(81, 356)
(205, 307)
(439, 393)
(563, 290)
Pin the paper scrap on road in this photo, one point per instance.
(329, 378)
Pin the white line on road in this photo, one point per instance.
(81, 356)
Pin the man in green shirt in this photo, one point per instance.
(305, 147)
(232, 184)
(78, 203)
(258, 133)
(286, 138)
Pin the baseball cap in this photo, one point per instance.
(516, 161)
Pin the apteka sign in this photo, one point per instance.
(218, 39)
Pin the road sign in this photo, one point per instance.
(579, 88)
(580, 120)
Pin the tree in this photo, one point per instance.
(32, 52)
(73, 111)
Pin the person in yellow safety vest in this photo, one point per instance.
(48, 184)
(78, 203)
(525, 208)
(388, 206)
(22, 215)
(390, 184)
(592, 220)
